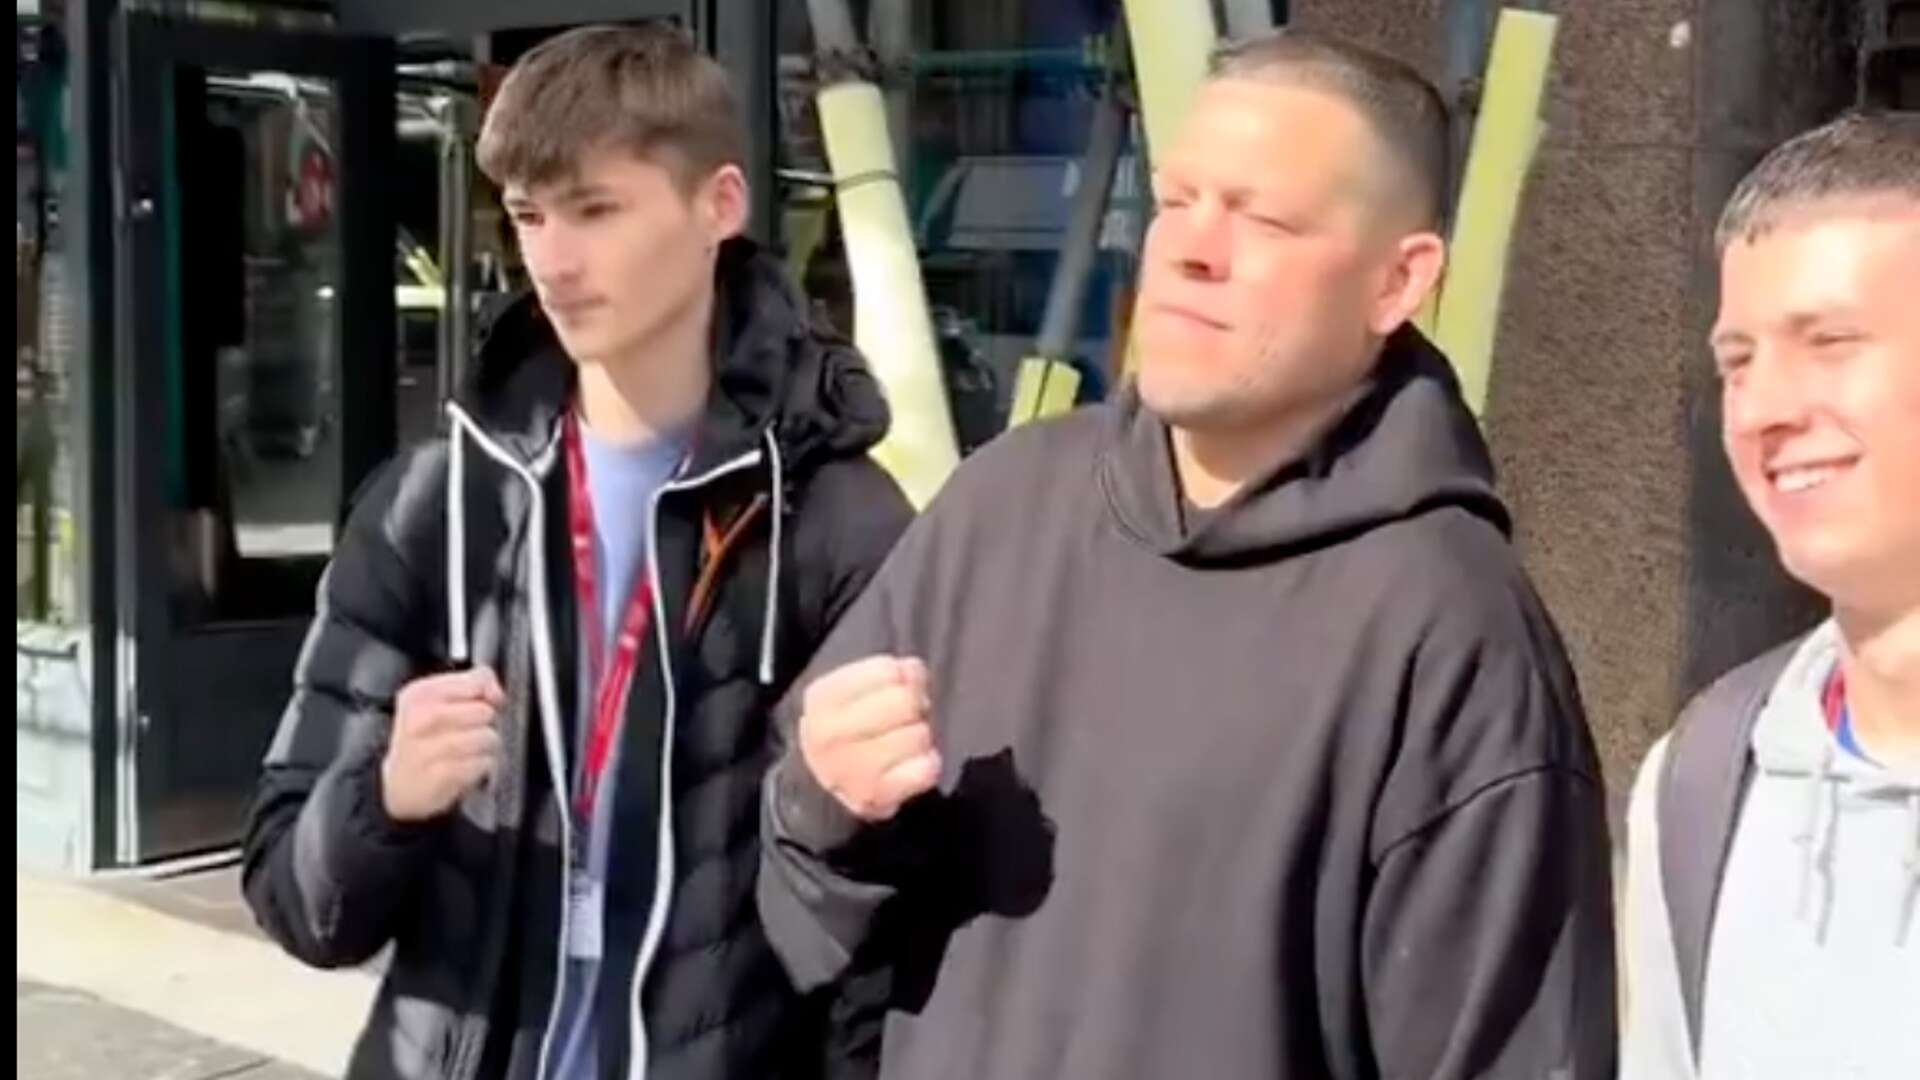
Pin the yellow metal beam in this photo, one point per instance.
(890, 320)
(1172, 40)
(1505, 136)
(1042, 388)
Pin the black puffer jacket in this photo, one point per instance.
(771, 530)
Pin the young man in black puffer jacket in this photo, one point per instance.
(529, 726)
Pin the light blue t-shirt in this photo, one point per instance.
(622, 480)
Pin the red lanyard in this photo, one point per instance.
(608, 677)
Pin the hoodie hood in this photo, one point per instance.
(775, 371)
(1408, 446)
(1791, 737)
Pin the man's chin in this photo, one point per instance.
(585, 348)
(1838, 570)
(1189, 410)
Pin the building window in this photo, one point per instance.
(990, 109)
(46, 279)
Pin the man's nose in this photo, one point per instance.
(1770, 393)
(553, 259)
(1201, 246)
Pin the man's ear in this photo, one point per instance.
(723, 203)
(1413, 273)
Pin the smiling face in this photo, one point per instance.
(1818, 349)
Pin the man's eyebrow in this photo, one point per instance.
(583, 192)
(571, 193)
(1722, 337)
(1793, 322)
(1808, 317)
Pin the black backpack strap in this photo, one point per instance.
(1702, 785)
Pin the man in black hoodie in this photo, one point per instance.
(1217, 731)
(529, 726)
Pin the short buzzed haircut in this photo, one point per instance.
(647, 89)
(1402, 108)
(1860, 155)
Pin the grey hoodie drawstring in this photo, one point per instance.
(1817, 839)
(1816, 843)
(1905, 924)
(773, 560)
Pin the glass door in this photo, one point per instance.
(256, 350)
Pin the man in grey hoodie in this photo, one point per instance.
(1216, 731)
(1774, 837)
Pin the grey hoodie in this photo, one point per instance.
(1297, 790)
(1813, 966)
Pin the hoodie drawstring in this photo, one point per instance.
(1816, 843)
(773, 560)
(1905, 925)
(1817, 839)
(458, 648)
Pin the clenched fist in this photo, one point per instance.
(864, 735)
(444, 742)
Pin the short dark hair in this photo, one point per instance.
(1860, 154)
(643, 88)
(1399, 104)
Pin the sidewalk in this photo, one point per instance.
(141, 978)
(70, 1035)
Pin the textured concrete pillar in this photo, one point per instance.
(1604, 412)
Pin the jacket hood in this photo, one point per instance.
(774, 370)
(1407, 447)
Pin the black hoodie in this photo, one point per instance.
(459, 549)
(1300, 790)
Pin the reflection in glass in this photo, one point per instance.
(254, 404)
(991, 108)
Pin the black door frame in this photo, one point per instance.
(154, 659)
